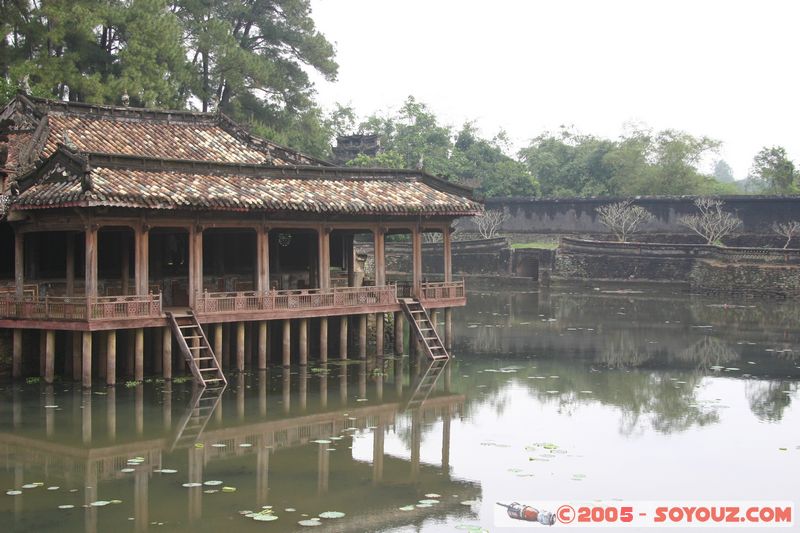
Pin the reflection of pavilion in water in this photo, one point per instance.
(269, 456)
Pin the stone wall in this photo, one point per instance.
(703, 267)
(531, 217)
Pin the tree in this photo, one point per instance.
(488, 223)
(774, 170)
(787, 229)
(623, 218)
(713, 224)
(723, 172)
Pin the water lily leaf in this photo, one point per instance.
(469, 502)
(168, 471)
(429, 501)
(245, 445)
(51, 407)
(198, 444)
(228, 489)
(331, 514)
(100, 503)
(128, 470)
(212, 483)
(30, 486)
(210, 491)
(424, 505)
(321, 441)
(13, 492)
(219, 445)
(433, 495)
(53, 488)
(406, 508)
(265, 517)
(290, 509)
(66, 506)
(310, 523)
(190, 485)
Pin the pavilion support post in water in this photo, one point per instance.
(262, 344)
(343, 337)
(362, 336)
(111, 357)
(166, 353)
(303, 322)
(49, 355)
(86, 356)
(138, 356)
(398, 333)
(377, 454)
(448, 328)
(379, 334)
(16, 357)
(287, 343)
(323, 339)
(240, 346)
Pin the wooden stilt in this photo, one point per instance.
(138, 356)
(240, 346)
(362, 336)
(379, 334)
(111, 357)
(287, 342)
(16, 363)
(86, 356)
(398, 333)
(166, 353)
(218, 342)
(343, 337)
(448, 328)
(303, 341)
(323, 339)
(262, 345)
(49, 355)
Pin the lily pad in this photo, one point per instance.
(212, 483)
(13, 492)
(469, 502)
(407, 508)
(331, 514)
(429, 501)
(310, 523)
(245, 445)
(168, 471)
(321, 441)
(219, 445)
(53, 488)
(66, 506)
(290, 509)
(228, 489)
(433, 495)
(100, 503)
(265, 517)
(191, 485)
(128, 470)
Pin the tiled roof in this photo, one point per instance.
(139, 132)
(235, 188)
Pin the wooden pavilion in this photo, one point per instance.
(124, 226)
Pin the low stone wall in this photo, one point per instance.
(703, 267)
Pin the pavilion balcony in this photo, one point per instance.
(108, 312)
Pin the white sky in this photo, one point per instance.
(726, 69)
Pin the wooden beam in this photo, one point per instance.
(141, 245)
(195, 263)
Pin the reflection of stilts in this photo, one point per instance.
(205, 401)
(427, 383)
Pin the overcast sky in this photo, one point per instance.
(726, 69)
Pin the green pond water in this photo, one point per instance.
(561, 395)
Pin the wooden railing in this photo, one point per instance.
(233, 302)
(437, 290)
(81, 308)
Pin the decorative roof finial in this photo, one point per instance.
(67, 141)
(421, 162)
(125, 98)
(24, 84)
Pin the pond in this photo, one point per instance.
(571, 394)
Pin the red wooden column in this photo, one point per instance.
(448, 253)
(19, 262)
(379, 239)
(91, 261)
(195, 263)
(416, 261)
(141, 238)
(262, 258)
(324, 254)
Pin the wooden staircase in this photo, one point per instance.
(202, 406)
(196, 349)
(427, 383)
(422, 327)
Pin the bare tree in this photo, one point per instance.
(713, 224)
(623, 218)
(788, 230)
(489, 222)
